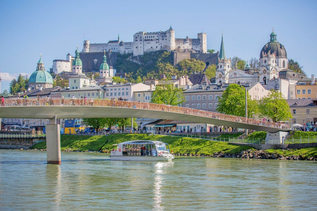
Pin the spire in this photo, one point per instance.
(222, 54)
(77, 61)
(104, 65)
(170, 27)
(40, 60)
(118, 38)
(273, 36)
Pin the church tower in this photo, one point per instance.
(104, 67)
(77, 63)
(273, 58)
(224, 66)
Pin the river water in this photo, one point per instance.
(90, 181)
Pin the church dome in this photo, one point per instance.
(40, 75)
(104, 65)
(273, 47)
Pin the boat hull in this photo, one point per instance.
(138, 158)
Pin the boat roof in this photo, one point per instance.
(142, 142)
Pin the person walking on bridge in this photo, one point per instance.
(2, 101)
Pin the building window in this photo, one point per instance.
(198, 97)
(115, 94)
(110, 94)
(309, 91)
(294, 111)
(127, 93)
(187, 97)
(125, 89)
(93, 94)
(198, 105)
(204, 97)
(88, 94)
(74, 81)
(304, 91)
(122, 93)
(216, 104)
(298, 91)
(187, 105)
(118, 89)
(204, 105)
(107, 94)
(193, 97)
(118, 93)
(210, 105)
(193, 105)
(217, 97)
(139, 95)
(68, 95)
(210, 97)
(307, 111)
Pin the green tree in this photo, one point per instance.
(190, 66)
(167, 94)
(211, 71)
(211, 51)
(236, 61)
(274, 106)
(96, 123)
(232, 102)
(117, 79)
(293, 65)
(59, 81)
(139, 79)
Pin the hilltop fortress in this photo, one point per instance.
(150, 41)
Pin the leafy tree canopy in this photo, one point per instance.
(274, 106)
(167, 94)
(211, 51)
(293, 65)
(96, 123)
(211, 71)
(239, 62)
(118, 80)
(19, 85)
(190, 66)
(59, 81)
(232, 102)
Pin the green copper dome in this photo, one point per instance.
(104, 65)
(77, 61)
(40, 75)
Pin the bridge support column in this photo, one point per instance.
(275, 138)
(53, 142)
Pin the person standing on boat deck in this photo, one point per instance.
(143, 153)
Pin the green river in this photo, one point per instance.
(90, 181)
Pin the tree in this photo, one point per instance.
(232, 102)
(254, 63)
(139, 79)
(239, 62)
(96, 123)
(190, 66)
(274, 106)
(211, 71)
(211, 51)
(59, 81)
(167, 94)
(118, 80)
(293, 65)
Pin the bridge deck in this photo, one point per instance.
(81, 108)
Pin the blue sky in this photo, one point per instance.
(55, 28)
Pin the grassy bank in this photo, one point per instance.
(304, 153)
(179, 145)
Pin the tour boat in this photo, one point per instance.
(142, 150)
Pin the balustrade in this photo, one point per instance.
(137, 105)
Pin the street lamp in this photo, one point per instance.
(246, 107)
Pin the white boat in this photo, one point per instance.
(142, 150)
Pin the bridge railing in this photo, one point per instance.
(137, 105)
(20, 136)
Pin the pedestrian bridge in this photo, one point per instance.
(81, 108)
(58, 108)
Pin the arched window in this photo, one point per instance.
(220, 66)
(283, 63)
(264, 61)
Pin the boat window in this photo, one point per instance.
(161, 147)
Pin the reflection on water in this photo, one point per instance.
(158, 181)
(90, 181)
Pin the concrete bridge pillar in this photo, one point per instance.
(53, 142)
(275, 138)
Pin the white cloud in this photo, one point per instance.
(10, 77)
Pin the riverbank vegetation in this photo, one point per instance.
(179, 145)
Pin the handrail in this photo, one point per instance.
(21, 102)
(13, 135)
